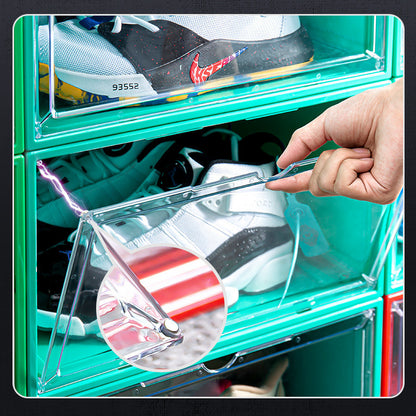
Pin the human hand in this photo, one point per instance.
(368, 165)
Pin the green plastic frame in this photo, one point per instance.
(233, 103)
(18, 98)
(19, 276)
(399, 48)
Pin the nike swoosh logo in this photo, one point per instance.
(199, 75)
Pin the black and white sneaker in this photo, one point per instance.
(243, 233)
(102, 57)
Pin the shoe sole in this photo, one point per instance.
(247, 246)
(77, 96)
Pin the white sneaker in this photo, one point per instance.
(243, 234)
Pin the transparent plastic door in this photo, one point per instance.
(271, 262)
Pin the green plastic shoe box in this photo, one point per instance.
(349, 265)
(350, 52)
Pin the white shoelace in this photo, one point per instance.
(234, 137)
(132, 20)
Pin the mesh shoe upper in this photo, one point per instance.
(80, 44)
(236, 27)
(82, 50)
(97, 178)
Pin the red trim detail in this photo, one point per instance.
(386, 344)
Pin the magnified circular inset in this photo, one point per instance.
(167, 314)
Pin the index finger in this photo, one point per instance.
(304, 141)
(292, 184)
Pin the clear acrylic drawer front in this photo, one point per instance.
(275, 254)
(397, 249)
(333, 360)
(396, 381)
(102, 62)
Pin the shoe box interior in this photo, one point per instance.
(334, 360)
(344, 48)
(337, 248)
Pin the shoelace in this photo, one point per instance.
(119, 20)
(234, 137)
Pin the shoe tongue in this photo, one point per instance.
(224, 170)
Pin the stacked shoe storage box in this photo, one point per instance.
(330, 306)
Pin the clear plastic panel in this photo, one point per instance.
(397, 271)
(397, 263)
(90, 64)
(41, 75)
(396, 347)
(390, 237)
(247, 233)
(75, 339)
(302, 365)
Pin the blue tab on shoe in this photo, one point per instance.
(90, 22)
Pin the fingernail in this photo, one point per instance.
(367, 159)
(273, 188)
(361, 150)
